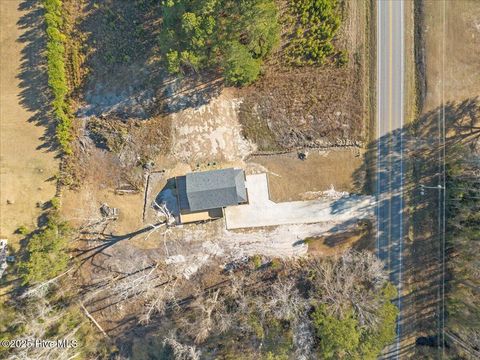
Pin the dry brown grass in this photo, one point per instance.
(359, 238)
(313, 106)
(26, 164)
(452, 51)
(292, 179)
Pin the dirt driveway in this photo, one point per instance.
(25, 166)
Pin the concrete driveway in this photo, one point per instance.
(261, 211)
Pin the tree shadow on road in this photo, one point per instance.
(423, 159)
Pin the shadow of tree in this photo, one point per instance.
(461, 124)
(127, 77)
(35, 94)
(422, 227)
(106, 241)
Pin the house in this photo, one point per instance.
(204, 195)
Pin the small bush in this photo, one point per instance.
(55, 202)
(23, 230)
(275, 264)
(342, 58)
(256, 261)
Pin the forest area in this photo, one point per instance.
(463, 235)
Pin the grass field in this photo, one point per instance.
(292, 179)
(26, 164)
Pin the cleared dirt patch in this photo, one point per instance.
(293, 179)
(26, 164)
(210, 132)
(83, 206)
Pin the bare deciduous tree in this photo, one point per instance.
(344, 281)
(37, 318)
(204, 307)
(284, 300)
(182, 351)
(303, 337)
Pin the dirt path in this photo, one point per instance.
(25, 163)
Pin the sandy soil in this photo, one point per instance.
(211, 132)
(26, 167)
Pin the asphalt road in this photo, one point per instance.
(390, 171)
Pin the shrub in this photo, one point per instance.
(275, 264)
(46, 248)
(315, 25)
(342, 58)
(57, 77)
(55, 202)
(23, 230)
(256, 261)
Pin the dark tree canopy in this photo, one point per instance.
(230, 36)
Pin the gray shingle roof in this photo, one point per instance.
(211, 189)
(240, 186)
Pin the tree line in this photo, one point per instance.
(463, 245)
(57, 77)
